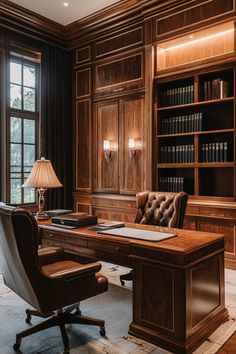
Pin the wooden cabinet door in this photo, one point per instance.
(131, 116)
(106, 173)
(114, 75)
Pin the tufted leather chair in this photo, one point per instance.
(160, 209)
(53, 289)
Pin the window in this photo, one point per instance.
(23, 127)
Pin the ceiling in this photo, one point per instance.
(56, 11)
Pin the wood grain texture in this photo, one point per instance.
(194, 13)
(118, 74)
(205, 298)
(106, 128)
(83, 176)
(83, 83)
(131, 126)
(128, 38)
(82, 55)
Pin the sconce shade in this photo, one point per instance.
(42, 175)
(131, 143)
(106, 145)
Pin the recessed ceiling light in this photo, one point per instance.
(191, 36)
(65, 4)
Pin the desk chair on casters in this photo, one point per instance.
(160, 209)
(53, 289)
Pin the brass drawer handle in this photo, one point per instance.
(50, 235)
(117, 249)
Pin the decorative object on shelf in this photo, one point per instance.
(42, 177)
(107, 149)
(132, 146)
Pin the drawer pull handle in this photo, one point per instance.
(50, 235)
(117, 249)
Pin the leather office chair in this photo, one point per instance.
(48, 287)
(160, 209)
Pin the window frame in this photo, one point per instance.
(22, 114)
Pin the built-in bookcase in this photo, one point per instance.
(194, 123)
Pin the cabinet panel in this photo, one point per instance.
(222, 227)
(83, 80)
(116, 75)
(82, 55)
(106, 128)
(126, 39)
(82, 146)
(131, 127)
(199, 12)
(114, 214)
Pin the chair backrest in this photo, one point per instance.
(161, 209)
(19, 262)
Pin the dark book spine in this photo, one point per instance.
(206, 152)
(205, 95)
(217, 152)
(191, 94)
(225, 155)
(221, 152)
(203, 153)
(213, 152)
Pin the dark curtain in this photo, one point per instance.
(56, 122)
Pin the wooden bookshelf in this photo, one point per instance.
(195, 139)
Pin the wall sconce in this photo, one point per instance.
(107, 149)
(132, 147)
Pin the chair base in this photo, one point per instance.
(60, 319)
(127, 276)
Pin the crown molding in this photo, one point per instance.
(18, 19)
(112, 18)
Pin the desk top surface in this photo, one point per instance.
(186, 241)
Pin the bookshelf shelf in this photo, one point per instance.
(196, 133)
(215, 164)
(172, 165)
(195, 147)
(200, 103)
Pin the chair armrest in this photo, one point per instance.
(78, 271)
(49, 255)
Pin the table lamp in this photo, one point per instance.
(42, 177)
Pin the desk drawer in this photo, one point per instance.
(64, 239)
(115, 252)
(116, 248)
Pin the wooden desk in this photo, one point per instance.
(178, 285)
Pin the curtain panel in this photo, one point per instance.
(56, 122)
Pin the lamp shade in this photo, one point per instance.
(42, 175)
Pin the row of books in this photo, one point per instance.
(177, 154)
(177, 96)
(215, 152)
(175, 184)
(215, 89)
(182, 124)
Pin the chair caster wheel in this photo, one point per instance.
(102, 331)
(122, 282)
(16, 346)
(77, 313)
(28, 320)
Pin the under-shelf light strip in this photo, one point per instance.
(200, 39)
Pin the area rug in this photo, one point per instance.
(115, 307)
